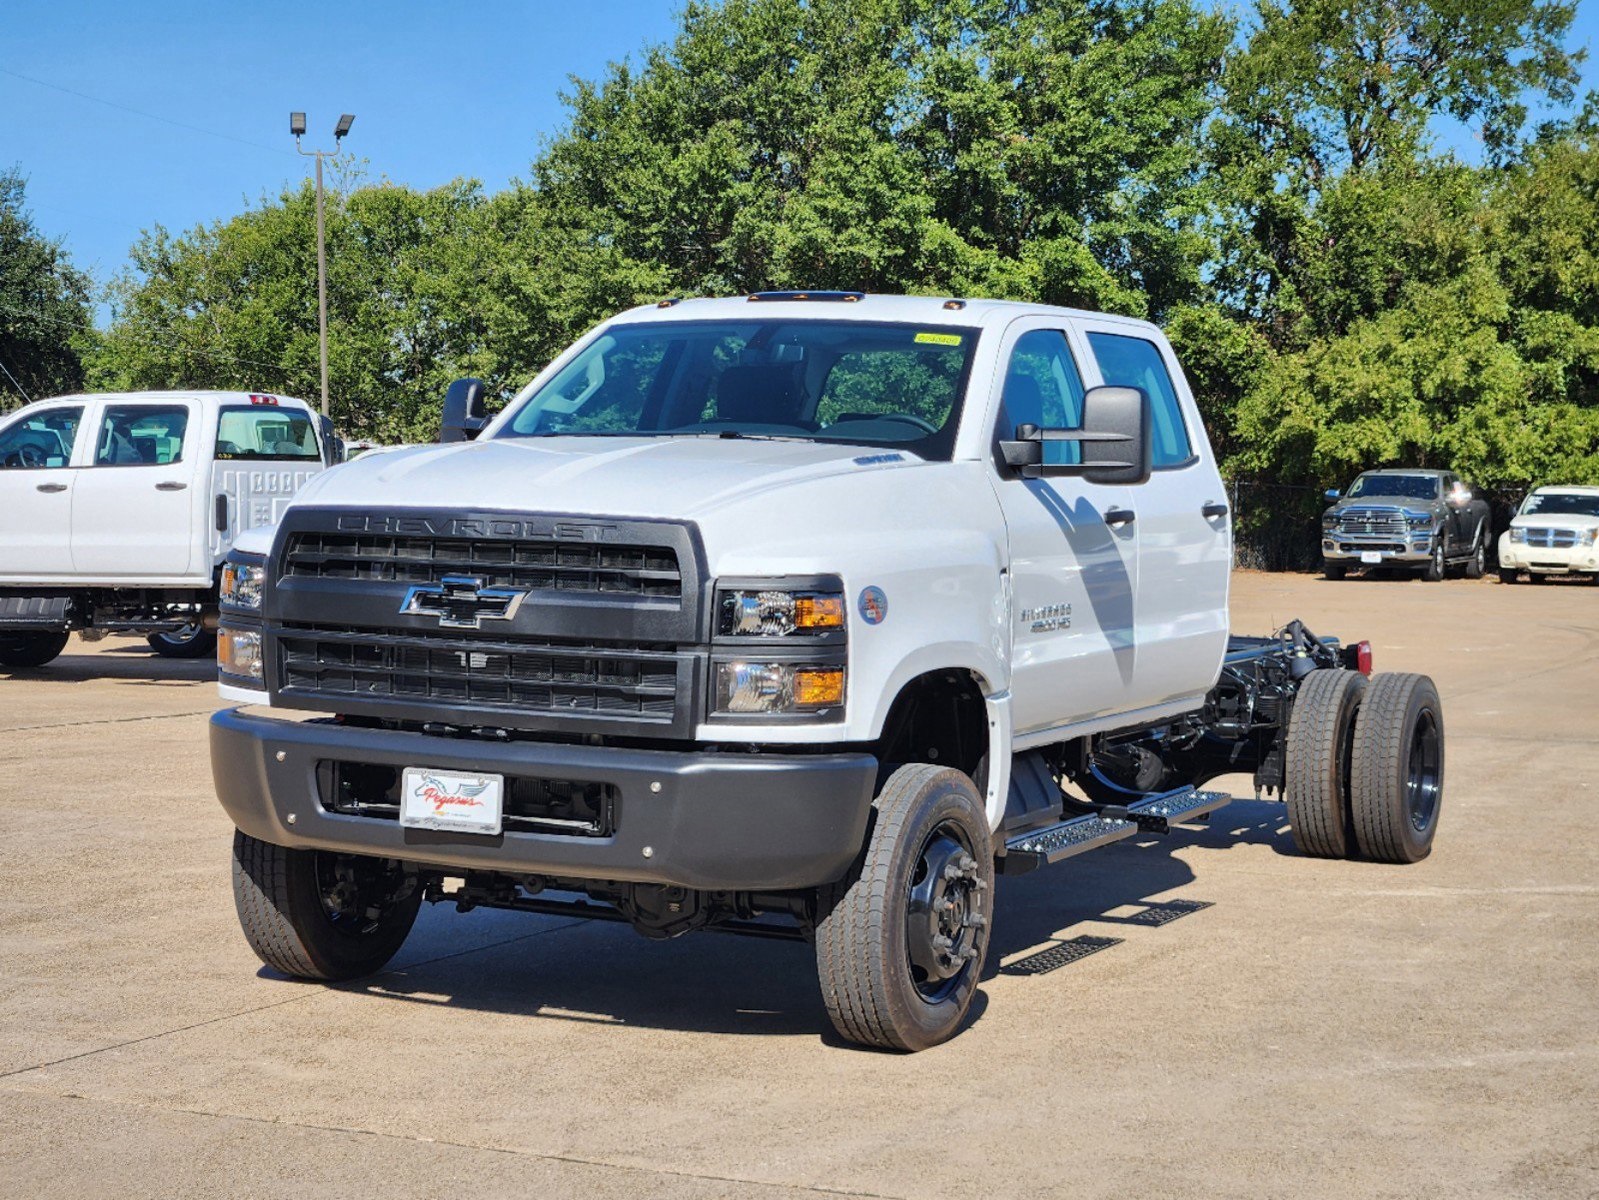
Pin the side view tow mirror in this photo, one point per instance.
(1331, 494)
(1114, 445)
(465, 411)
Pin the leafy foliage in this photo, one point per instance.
(44, 305)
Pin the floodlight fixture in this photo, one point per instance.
(297, 124)
(343, 127)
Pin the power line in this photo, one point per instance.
(151, 344)
(27, 398)
(138, 112)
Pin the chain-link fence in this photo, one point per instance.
(1276, 526)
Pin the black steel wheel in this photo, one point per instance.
(314, 914)
(31, 649)
(192, 641)
(1437, 565)
(900, 940)
(1397, 768)
(1316, 761)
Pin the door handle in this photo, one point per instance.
(1214, 510)
(51, 487)
(1116, 517)
(170, 486)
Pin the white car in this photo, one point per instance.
(116, 510)
(1556, 532)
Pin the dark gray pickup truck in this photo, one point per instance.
(1401, 517)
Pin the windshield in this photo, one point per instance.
(1560, 504)
(818, 380)
(265, 433)
(1411, 487)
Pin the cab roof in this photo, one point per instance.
(209, 399)
(857, 306)
(1572, 489)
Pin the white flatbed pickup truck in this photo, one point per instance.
(116, 510)
(796, 615)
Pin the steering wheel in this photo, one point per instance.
(908, 419)
(25, 455)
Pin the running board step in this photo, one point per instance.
(1077, 835)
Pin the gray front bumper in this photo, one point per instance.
(711, 821)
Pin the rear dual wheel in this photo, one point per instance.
(31, 649)
(900, 940)
(1364, 765)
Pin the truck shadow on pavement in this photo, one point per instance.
(129, 665)
(592, 972)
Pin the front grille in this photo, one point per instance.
(566, 807)
(1381, 547)
(1372, 521)
(536, 565)
(1552, 539)
(521, 677)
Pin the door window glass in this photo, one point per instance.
(265, 433)
(1043, 388)
(141, 435)
(1136, 362)
(43, 439)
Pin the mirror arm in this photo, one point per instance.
(1026, 453)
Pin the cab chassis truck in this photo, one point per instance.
(720, 625)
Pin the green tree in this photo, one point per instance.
(44, 305)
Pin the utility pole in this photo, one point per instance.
(297, 128)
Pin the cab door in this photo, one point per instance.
(1184, 526)
(1073, 556)
(135, 504)
(36, 484)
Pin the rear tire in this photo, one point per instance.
(898, 969)
(1316, 761)
(313, 914)
(1334, 570)
(1397, 768)
(1508, 575)
(192, 641)
(31, 649)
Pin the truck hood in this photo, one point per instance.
(1555, 521)
(674, 477)
(1409, 502)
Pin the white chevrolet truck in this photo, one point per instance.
(116, 511)
(795, 615)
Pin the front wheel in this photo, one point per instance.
(1334, 570)
(1437, 565)
(900, 940)
(1477, 564)
(192, 641)
(314, 914)
(30, 649)
(1508, 575)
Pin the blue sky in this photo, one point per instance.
(439, 90)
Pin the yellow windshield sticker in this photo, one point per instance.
(938, 339)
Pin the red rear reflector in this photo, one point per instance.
(1363, 657)
(257, 398)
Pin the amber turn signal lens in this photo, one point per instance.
(819, 612)
(818, 687)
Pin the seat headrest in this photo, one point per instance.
(1024, 401)
(760, 394)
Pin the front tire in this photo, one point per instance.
(1397, 768)
(1477, 564)
(1437, 566)
(1316, 761)
(192, 641)
(1509, 575)
(31, 649)
(1334, 570)
(900, 940)
(312, 914)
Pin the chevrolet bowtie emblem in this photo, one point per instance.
(461, 602)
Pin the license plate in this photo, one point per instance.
(1371, 556)
(451, 800)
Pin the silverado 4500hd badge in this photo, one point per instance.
(1047, 618)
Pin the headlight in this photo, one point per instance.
(1328, 520)
(1590, 536)
(241, 584)
(239, 652)
(1518, 537)
(751, 612)
(767, 687)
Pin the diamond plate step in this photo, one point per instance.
(1155, 813)
(1040, 847)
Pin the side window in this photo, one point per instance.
(1043, 388)
(43, 439)
(1136, 362)
(141, 435)
(265, 432)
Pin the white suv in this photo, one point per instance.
(1556, 532)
